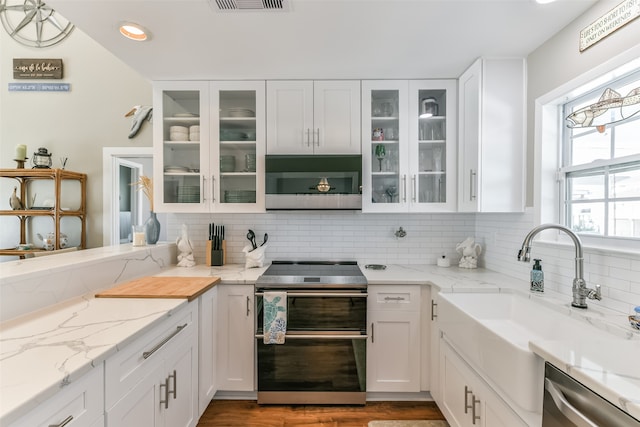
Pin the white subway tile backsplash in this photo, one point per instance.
(369, 238)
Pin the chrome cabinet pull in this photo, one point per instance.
(472, 187)
(414, 189)
(157, 347)
(213, 188)
(318, 137)
(166, 393)
(175, 385)
(373, 338)
(308, 142)
(394, 298)
(64, 422)
(566, 408)
(321, 336)
(434, 304)
(202, 193)
(322, 294)
(467, 392)
(404, 188)
(248, 306)
(474, 417)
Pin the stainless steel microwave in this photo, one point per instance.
(319, 182)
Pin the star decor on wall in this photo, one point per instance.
(33, 23)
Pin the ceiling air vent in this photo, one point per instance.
(231, 5)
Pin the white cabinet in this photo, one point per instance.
(207, 346)
(394, 346)
(408, 145)
(209, 145)
(434, 351)
(236, 353)
(492, 136)
(466, 399)
(79, 404)
(313, 117)
(152, 381)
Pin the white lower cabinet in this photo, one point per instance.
(466, 400)
(79, 404)
(394, 345)
(152, 381)
(236, 349)
(207, 345)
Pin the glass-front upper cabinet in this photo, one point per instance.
(408, 145)
(384, 145)
(181, 146)
(432, 145)
(239, 144)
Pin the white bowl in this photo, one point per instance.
(178, 129)
(179, 137)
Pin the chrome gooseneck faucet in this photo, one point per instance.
(580, 290)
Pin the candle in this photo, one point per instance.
(138, 236)
(21, 152)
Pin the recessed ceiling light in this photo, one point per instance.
(134, 31)
(544, 1)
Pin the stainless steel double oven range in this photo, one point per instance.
(323, 358)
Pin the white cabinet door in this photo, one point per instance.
(307, 117)
(432, 146)
(207, 345)
(434, 353)
(289, 117)
(141, 407)
(181, 371)
(238, 144)
(336, 117)
(492, 127)
(466, 399)
(79, 404)
(236, 353)
(181, 146)
(394, 345)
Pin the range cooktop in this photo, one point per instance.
(319, 273)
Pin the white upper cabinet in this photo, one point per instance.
(313, 117)
(492, 136)
(408, 145)
(209, 145)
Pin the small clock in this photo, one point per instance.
(33, 23)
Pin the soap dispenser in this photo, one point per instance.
(537, 277)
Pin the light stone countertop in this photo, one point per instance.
(86, 331)
(42, 353)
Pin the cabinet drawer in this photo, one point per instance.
(136, 360)
(394, 297)
(79, 404)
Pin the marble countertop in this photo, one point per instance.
(42, 353)
(65, 341)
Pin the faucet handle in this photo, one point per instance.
(595, 293)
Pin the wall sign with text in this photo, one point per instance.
(37, 68)
(609, 23)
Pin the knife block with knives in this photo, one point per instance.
(216, 246)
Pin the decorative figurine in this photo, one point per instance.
(140, 113)
(470, 250)
(14, 200)
(185, 249)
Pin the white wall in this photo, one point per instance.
(75, 124)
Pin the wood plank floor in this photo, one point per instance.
(245, 413)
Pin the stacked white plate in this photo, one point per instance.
(239, 196)
(178, 133)
(176, 169)
(239, 112)
(194, 133)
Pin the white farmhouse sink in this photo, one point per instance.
(493, 331)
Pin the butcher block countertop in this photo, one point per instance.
(162, 287)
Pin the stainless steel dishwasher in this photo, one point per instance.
(568, 403)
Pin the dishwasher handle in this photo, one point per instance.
(566, 408)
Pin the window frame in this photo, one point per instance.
(565, 151)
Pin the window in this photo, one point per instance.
(601, 167)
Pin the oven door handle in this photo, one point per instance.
(322, 294)
(566, 408)
(320, 336)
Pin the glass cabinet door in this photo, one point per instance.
(181, 132)
(238, 155)
(384, 148)
(432, 139)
